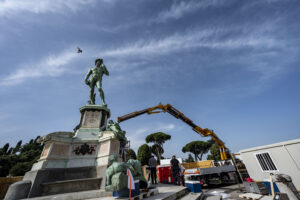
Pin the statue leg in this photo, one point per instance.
(92, 94)
(101, 93)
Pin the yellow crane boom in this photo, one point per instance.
(176, 113)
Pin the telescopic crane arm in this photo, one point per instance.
(176, 113)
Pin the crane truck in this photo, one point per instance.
(215, 175)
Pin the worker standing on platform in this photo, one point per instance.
(175, 170)
(152, 165)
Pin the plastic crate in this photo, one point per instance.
(193, 186)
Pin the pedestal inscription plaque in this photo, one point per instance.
(91, 119)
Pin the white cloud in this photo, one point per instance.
(53, 65)
(13, 7)
(137, 137)
(139, 53)
(191, 39)
(262, 49)
(178, 10)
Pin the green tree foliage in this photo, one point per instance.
(158, 139)
(20, 168)
(3, 150)
(9, 151)
(17, 147)
(190, 158)
(214, 153)
(19, 159)
(210, 142)
(198, 148)
(144, 154)
(157, 150)
(6, 163)
(131, 154)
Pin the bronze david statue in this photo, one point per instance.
(96, 80)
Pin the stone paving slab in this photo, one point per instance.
(216, 197)
(165, 192)
(267, 198)
(254, 196)
(228, 192)
(193, 196)
(169, 192)
(251, 196)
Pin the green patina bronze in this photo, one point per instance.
(96, 80)
(116, 178)
(137, 172)
(120, 135)
(115, 127)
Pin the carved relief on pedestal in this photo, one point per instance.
(84, 149)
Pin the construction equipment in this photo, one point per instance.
(176, 113)
(240, 167)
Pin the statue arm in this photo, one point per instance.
(86, 80)
(105, 70)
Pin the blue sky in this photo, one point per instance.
(231, 66)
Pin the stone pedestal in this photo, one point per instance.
(86, 146)
(93, 118)
(79, 156)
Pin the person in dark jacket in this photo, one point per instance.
(152, 165)
(175, 170)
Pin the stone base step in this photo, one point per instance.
(170, 194)
(165, 192)
(144, 195)
(67, 186)
(91, 194)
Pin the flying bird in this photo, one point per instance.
(79, 50)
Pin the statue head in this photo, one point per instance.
(100, 60)
(110, 122)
